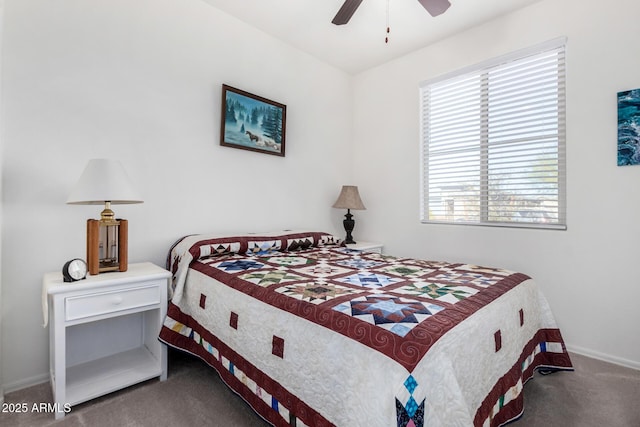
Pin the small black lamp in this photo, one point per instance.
(348, 199)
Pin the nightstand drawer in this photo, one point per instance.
(107, 302)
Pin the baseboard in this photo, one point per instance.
(27, 382)
(604, 357)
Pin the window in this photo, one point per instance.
(493, 142)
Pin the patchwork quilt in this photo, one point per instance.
(311, 333)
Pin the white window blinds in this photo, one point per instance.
(493, 142)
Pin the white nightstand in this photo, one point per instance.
(366, 246)
(103, 332)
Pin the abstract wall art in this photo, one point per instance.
(629, 127)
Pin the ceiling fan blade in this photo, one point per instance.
(346, 12)
(435, 7)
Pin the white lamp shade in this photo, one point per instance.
(103, 180)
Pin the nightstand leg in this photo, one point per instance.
(163, 362)
(59, 374)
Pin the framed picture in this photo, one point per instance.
(629, 127)
(250, 122)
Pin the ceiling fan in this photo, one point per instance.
(434, 7)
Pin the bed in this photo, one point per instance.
(311, 333)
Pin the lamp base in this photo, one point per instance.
(348, 224)
(107, 245)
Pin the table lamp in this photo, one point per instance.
(104, 181)
(348, 199)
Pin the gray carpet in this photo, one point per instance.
(596, 394)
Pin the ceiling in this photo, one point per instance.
(360, 44)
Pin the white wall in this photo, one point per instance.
(141, 81)
(589, 272)
(1, 140)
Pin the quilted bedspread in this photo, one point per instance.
(311, 333)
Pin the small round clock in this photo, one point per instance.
(74, 270)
